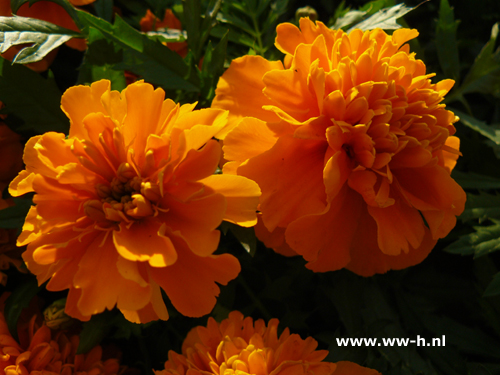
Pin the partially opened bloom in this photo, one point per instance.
(350, 144)
(42, 351)
(128, 204)
(240, 346)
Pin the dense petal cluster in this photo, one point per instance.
(128, 204)
(351, 145)
(239, 346)
(41, 351)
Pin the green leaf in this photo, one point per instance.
(484, 75)
(212, 69)
(104, 9)
(32, 102)
(446, 40)
(485, 240)
(493, 288)
(482, 207)
(18, 301)
(491, 132)
(384, 18)
(14, 216)
(475, 181)
(43, 36)
(155, 62)
(353, 16)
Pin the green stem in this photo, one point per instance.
(258, 34)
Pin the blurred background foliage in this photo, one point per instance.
(455, 292)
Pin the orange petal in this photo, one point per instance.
(399, 227)
(290, 176)
(130, 241)
(249, 138)
(190, 283)
(154, 310)
(242, 197)
(199, 164)
(324, 239)
(239, 90)
(274, 240)
(196, 220)
(78, 101)
(367, 258)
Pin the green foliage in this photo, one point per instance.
(43, 35)
(19, 300)
(446, 39)
(32, 103)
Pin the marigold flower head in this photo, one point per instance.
(350, 144)
(42, 351)
(239, 346)
(128, 204)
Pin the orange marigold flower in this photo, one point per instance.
(128, 203)
(152, 23)
(350, 144)
(239, 346)
(40, 351)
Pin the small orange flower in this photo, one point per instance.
(128, 203)
(350, 144)
(152, 23)
(239, 346)
(42, 352)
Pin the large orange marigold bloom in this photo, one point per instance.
(350, 144)
(128, 203)
(239, 346)
(40, 351)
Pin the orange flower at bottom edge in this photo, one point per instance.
(239, 345)
(128, 204)
(351, 145)
(43, 352)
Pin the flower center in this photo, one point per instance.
(127, 197)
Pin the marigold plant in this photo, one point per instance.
(351, 145)
(239, 346)
(128, 204)
(42, 351)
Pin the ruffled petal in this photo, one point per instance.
(240, 89)
(291, 182)
(190, 283)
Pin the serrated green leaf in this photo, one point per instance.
(484, 75)
(168, 35)
(43, 36)
(353, 16)
(31, 101)
(485, 240)
(493, 288)
(475, 181)
(446, 41)
(152, 60)
(384, 19)
(482, 207)
(18, 301)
